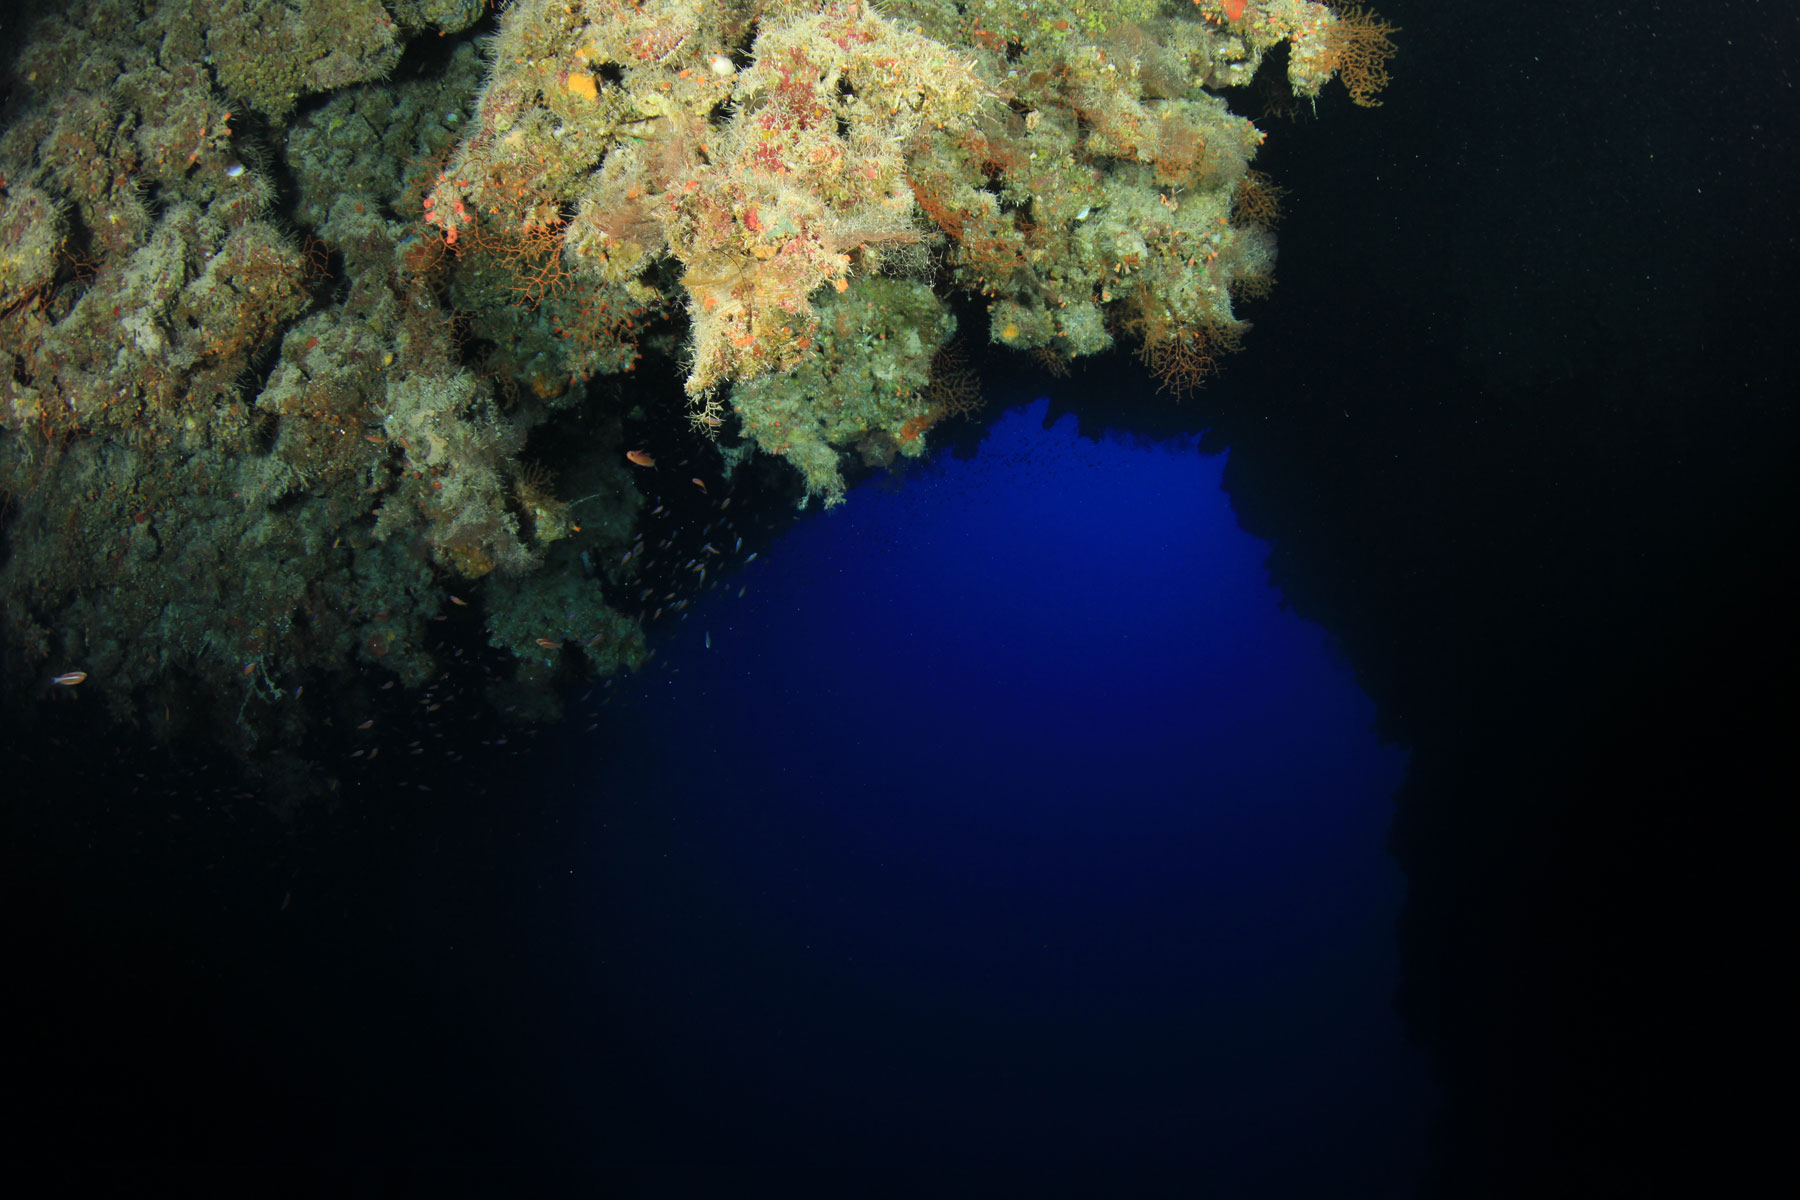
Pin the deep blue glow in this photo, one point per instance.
(1009, 818)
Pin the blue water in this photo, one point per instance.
(1008, 818)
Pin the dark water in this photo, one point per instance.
(1007, 816)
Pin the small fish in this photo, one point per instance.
(640, 458)
(709, 639)
(459, 602)
(752, 557)
(367, 723)
(547, 644)
(69, 678)
(700, 483)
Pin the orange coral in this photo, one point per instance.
(919, 423)
(1256, 202)
(1359, 46)
(1181, 361)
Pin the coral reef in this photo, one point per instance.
(1070, 162)
(294, 294)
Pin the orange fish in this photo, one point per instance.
(701, 484)
(641, 458)
(69, 678)
(547, 644)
